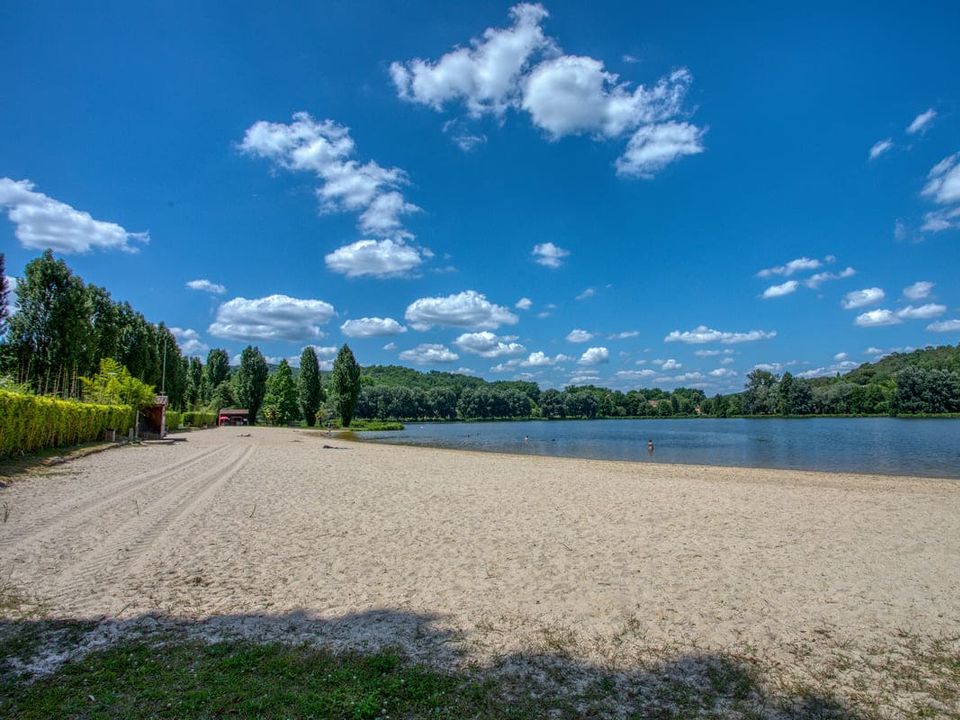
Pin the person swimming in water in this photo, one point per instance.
(650, 447)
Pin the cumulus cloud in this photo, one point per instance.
(541, 359)
(943, 187)
(625, 335)
(578, 336)
(549, 255)
(429, 354)
(486, 344)
(879, 148)
(523, 303)
(206, 286)
(521, 68)
(371, 327)
(635, 374)
(703, 334)
(275, 317)
(877, 318)
(42, 222)
(668, 365)
(924, 312)
(921, 122)
(376, 258)
(594, 356)
(780, 290)
(723, 373)
(920, 290)
(788, 269)
(945, 326)
(840, 356)
(468, 309)
(815, 281)
(189, 341)
(862, 298)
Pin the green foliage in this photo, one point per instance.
(222, 397)
(250, 382)
(218, 367)
(309, 386)
(196, 419)
(174, 420)
(29, 423)
(346, 384)
(280, 403)
(114, 385)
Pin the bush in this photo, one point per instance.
(197, 418)
(174, 420)
(29, 423)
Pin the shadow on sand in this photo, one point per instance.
(36, 653)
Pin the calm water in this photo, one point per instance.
(866, 445)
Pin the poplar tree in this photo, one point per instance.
(309, 387)
(346, 384)
(251, 381)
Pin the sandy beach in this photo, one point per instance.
(471, 557)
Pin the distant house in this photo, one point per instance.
(233, 416)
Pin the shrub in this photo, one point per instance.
(198, 418)
(29, 423)
(174, 420)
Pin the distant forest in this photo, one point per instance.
(61, 328)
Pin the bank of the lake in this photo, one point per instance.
(878, 445)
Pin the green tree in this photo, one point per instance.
(222, 396)
(113, 385)
(280, 403)
(309, 387)
(346, 384)
(218, 367)
(196, 393)
(250, 383)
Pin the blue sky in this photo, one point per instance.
(628, 194)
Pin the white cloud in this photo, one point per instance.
(206, 286)
(877, 318)
(788, 269)
(873, 351)
(275, 317)
(428, 354)
(713, 353)
(376, 258)
(840, 367)
(189, 342)
(945, 326)
(702, 334)
(723, 373)
(390, 346)
(465, 371)
(769, 367)
(668, 365)
(523, 303)
(840, 356)
(920, 290)
(814, 281)
(879, 148)
(578, 336)
(862, 298)
(684, 377)
(371, 327)
(521, 68)
(325, 355)
(943, 187)
(921, 121)
(626, 334)
(486, 75)
(780, 290)
(924, 312)
(654, 147)
(727, 361)
(540, 359)
(594, 356)
(468, 309)
(549, 255)
(486, 344)
(588, 293)
(325, 149)
(635, 374)
(42, 222)
(883, 353)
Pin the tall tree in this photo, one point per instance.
(4, 293)
(251, 381)
(280, 404)
(309, 388)
(218, 367)
(196, 393)
(346, 384)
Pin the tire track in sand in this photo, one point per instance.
(107, 566)
(94, 500)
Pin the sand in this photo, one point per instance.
(471, 556)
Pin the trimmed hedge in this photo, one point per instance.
(29, 423)
(198, 419)
(174, 420)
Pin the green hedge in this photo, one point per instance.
(174, 420)
(198, 419)
(29, 423)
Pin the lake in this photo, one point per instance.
(890, 446)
